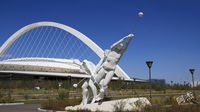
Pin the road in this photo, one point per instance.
(20, 108)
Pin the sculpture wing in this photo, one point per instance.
(125, 41)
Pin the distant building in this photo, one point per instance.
(161, 81)
(196, 83)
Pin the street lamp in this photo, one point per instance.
(10, 85)
(192, 73)
(149, 64)
(172, 82)
(133, 82)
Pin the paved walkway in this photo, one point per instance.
(20, 108)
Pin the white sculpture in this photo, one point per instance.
(102, 73)
(186, 98)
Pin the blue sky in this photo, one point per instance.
(168, 33)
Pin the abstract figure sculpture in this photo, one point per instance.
(186, 98)
(102, 73)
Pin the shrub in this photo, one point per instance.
(106, 98)
(1, 94)
(63, 94)
(7, 99)
(154, 108)
(119, 106)
(173, 108)
(59, 104)
(170, 101)
(139, 104)
(80, 110)
(54, 105)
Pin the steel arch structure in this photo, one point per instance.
(93, 46)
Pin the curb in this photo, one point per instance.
(44, 110)
(7, 104)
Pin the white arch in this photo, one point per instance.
(119, 72)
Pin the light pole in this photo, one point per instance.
(192, 73)
(172, 82)
(10, 85)
(133, 82)
(149, 64)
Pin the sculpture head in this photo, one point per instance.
(121, 45)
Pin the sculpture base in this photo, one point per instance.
(109, 106)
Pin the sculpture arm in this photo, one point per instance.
(77, 62)
(89, 67)
(80, 64)
(99, 65)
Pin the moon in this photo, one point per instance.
(140, 14)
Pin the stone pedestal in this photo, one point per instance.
(109, 106)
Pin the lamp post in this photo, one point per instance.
(133, 82)
(192, 73)
(10, 85)
(172, 83)
(149, 65)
